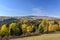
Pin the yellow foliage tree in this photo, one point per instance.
(5, 29)
(44, 24)
(59, 25)
(24, 27)
(56, 27)
(40, 29)
(53, 27)
(30, 28)
(50, 27)
(12, 26)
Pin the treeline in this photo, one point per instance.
(25, 26)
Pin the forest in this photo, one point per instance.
(25, 27)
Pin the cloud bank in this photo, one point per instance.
(38, 11)
(42, 12)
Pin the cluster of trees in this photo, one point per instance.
(24, 26)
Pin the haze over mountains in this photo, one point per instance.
(7, 19)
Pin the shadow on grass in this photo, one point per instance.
(32, 35)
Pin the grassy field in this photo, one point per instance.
(54, 36)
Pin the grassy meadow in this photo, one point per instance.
(53, 36)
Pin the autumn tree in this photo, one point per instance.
(59, 25)
(30, 28)
(53, 27)
(4, 30)
(14, 30)
(56, 21)
(56, 27)
(20, 28)
(44, 24)
(24, 27)
(40, 28)
(50, 27)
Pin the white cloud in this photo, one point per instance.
(38, 11)
(41, 12)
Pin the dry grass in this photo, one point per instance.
(41, 37)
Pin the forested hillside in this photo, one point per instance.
(27, 25)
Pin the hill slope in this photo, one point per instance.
(41, 37)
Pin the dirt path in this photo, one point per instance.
(41, 37)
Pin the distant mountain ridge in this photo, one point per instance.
(7, 19)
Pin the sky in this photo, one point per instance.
(30, 7)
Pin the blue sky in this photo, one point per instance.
(30, 7)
